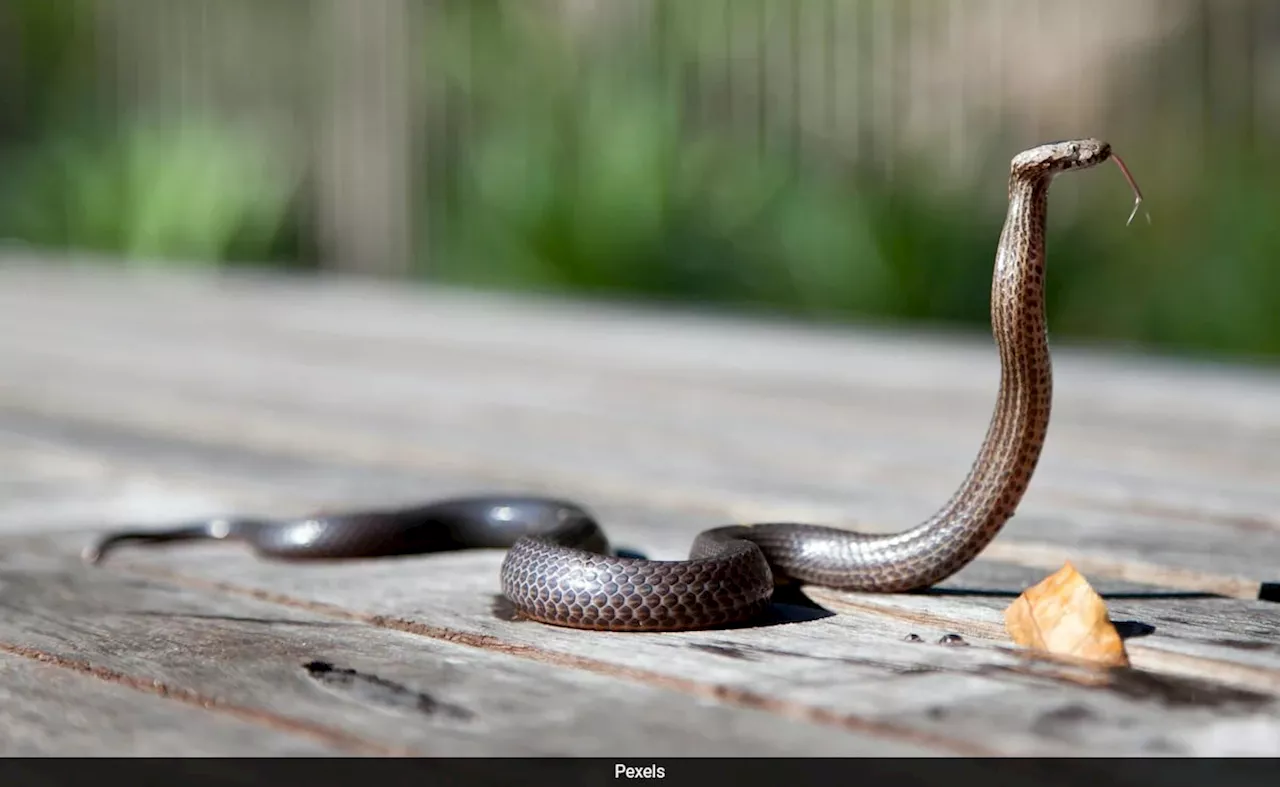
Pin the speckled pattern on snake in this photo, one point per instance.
(559, 568)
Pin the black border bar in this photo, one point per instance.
(654, 772)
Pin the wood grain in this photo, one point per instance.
(490, 415)
(149, 397)
(372, 690)
(48, 711)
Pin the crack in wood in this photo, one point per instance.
(750, 652)
(381, 691)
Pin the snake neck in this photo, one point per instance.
(1015, 437)
(984, 502)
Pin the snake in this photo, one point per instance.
(560, 568)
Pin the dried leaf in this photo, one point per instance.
(1065, 616)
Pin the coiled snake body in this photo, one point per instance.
(559, 569)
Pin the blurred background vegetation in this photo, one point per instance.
(817, 159)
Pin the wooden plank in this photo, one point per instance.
(1240, 559)
(478, 435)
(658, 529)
(892, 413)
(805, 653)
(48, 479)
(50, 711)
(765, 460)
(882, 383)
(377, 319)
(479, 585)
(268, 483)
(800, 651)
(371, 690)
(1217, 634)
(346, 393)
(854, 664)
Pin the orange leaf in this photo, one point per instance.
(1065, 616)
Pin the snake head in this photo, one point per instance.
(1055, 157)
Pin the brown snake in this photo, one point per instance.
(558, 569)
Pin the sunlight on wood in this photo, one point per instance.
(1063, 615)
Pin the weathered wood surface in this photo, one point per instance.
(146, 398)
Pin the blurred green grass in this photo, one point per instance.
(595, 181)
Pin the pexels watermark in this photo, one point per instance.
(623, 771)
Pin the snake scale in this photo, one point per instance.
(560, 569)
